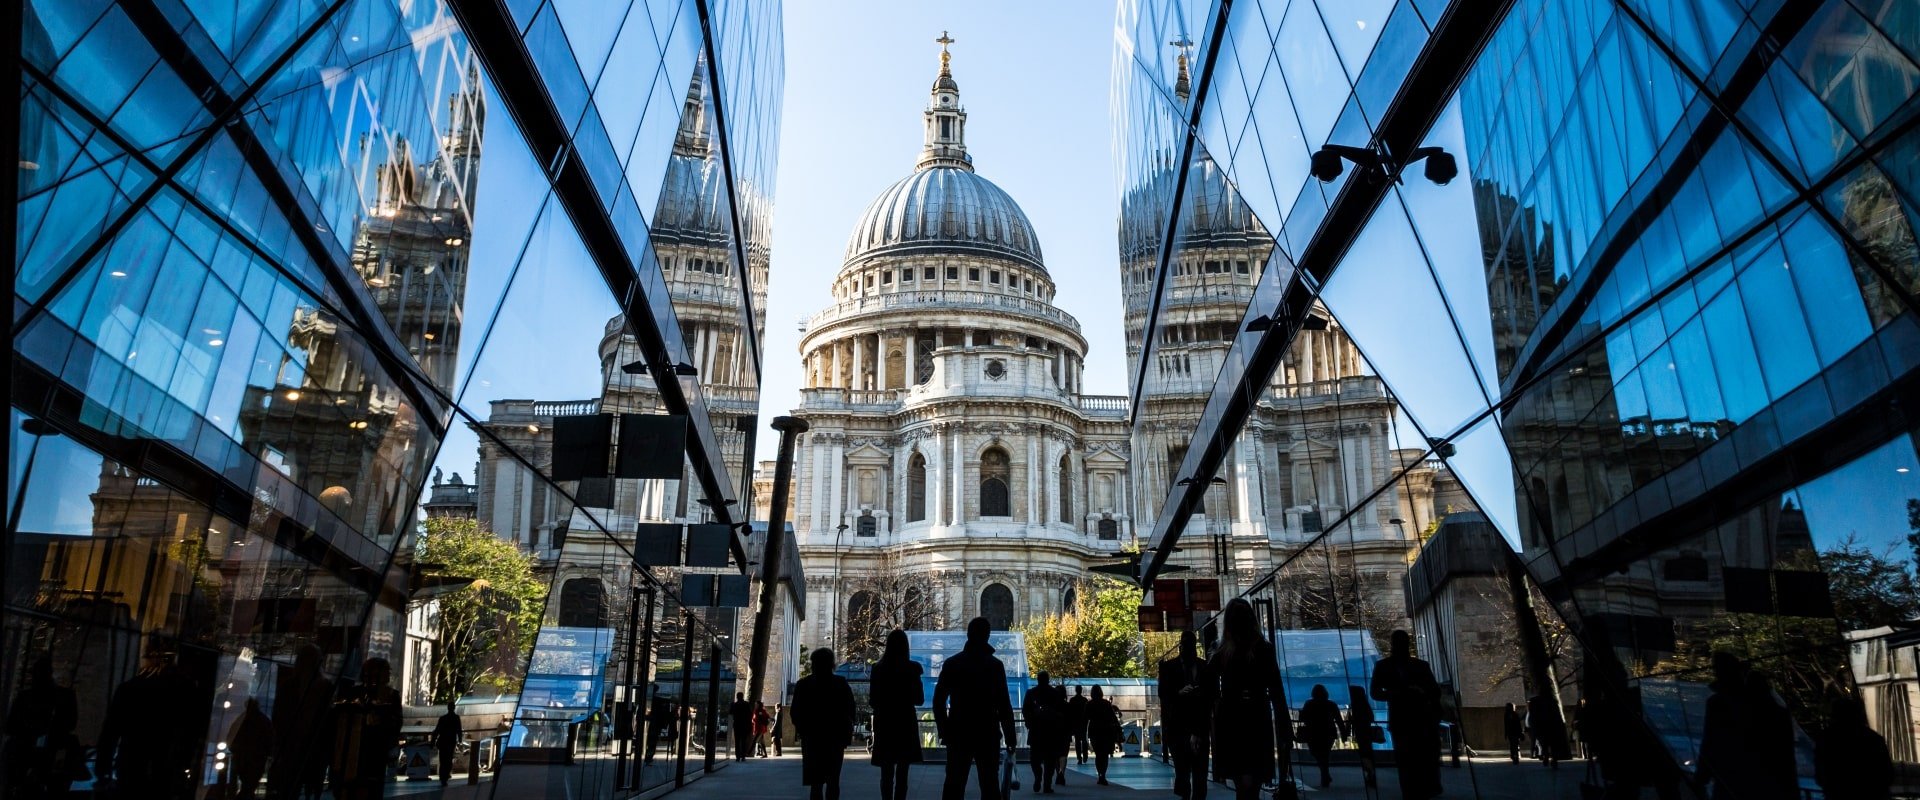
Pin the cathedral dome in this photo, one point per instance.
(944, 209)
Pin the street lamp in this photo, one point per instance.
(833, 593)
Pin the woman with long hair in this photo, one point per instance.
(1251, 698)
(896, 694)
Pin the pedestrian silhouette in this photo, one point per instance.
(1063, 736)
(1103, 731)
(366, 727)
(779, 728)
(823, 716)
(660, 722)
(41, 754)
(1366, 733)
(1516, 730)
(762, 729)
(1251, 698)
(1320, 726)
(1747, 740)
(896, 694)
(1077, 722)
(1850, 760)
(1412, 696)
(446, 738)
(1046, 717)
(973, 713)
(740, 722)
(249, 743)
(1549, 727)
(301, 711)
(150, 738)
(1187, 689)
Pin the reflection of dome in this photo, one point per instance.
(1212, 210)
(947, 210)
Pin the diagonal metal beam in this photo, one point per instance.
(497, 42)
(1449, 53)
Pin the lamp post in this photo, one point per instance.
(833, 593)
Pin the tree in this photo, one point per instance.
(1501, 647)
(1869, 589)
(488, 626)
(891, 597)
(1099, 638)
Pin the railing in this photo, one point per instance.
(565, 408)
(830, 397)
(1355, 386)
(897, 300)
(1102, 403)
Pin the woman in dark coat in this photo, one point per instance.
(1103, 729)
(896, 695)
(823, 716)
(1046, 717)
(1320, 725)
(1251, 698)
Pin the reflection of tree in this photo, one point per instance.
(891, 597)
(1315, 592)
(1500, 648)
(1099, 638)
(486, 625)
(1805, 657)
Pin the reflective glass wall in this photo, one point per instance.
(260, 306)
(1653, 324)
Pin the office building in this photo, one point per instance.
(1642, 275)
(276, 263)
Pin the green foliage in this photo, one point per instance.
(488, 627)
(1098, 639)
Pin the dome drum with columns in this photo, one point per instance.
(950, 439)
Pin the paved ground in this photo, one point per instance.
(1489, 779)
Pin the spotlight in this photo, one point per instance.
(1441, 167)
(1326, 166)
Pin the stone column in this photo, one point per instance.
(833, 365)
(937, 478)
(912, 365)
(1033, 479)
(837, 472)
(880, 361)
(859, 363)
(959, 474)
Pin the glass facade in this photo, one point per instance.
(1660, 326)
(279, 265)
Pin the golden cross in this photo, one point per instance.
(944, 40)
(1183, 43)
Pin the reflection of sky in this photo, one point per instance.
(1412, 295)
(1866, 498)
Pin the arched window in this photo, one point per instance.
(583, 604)
(994, 495)
(916, 488)
(996, 604)
(1070, 601)
(1066, 489)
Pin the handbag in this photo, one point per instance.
(1593, 786)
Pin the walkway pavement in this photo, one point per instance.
(1487, 779)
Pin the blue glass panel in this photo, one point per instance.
(1778, 325)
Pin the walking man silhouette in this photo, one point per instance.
(973, 713)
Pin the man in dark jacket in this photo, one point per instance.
(1077, 721)
(660, 718)
(1516, 729)
(446, 739)
(1187, 688)
(740, 721)
(973, 713)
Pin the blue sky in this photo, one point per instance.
(1034, 77)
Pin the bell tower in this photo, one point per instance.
(946, 136)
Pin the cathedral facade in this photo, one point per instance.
(954, 467)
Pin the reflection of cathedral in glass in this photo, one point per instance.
(1320, 438)
(954, 466)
